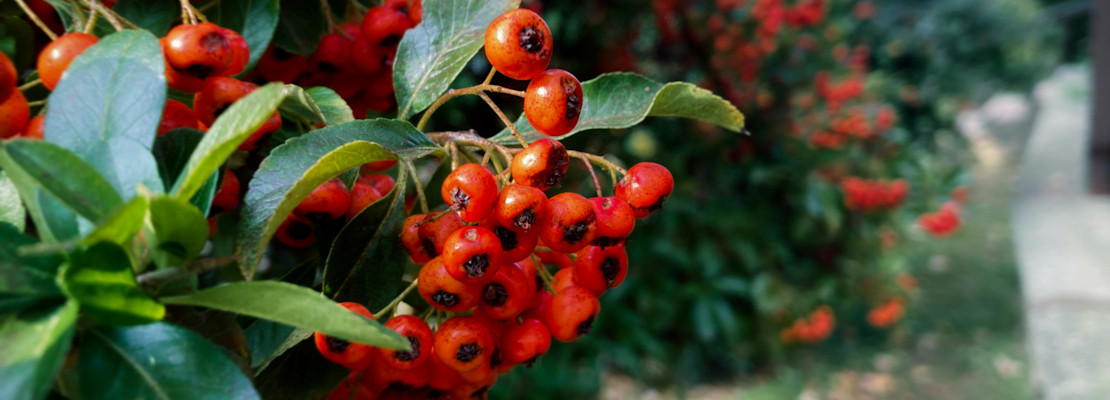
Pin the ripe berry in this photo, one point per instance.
(420, 339)
(600, 268)
(198, 50)
(343, 352)
(332, 55)
(571, 313)
(555, 258)
(645, 187)
(444, 292)
(515, 246)
(362, 195)
(525, 343)
(615, 220)
(553, 102)
(367, 57)
(541, 165)
(520, 207)
(421, 249)
(296, 232)
(570, 223)
(471, 190)
(416, 12)
(35, 127)
(227, 198)
(472, 254)
(352, 389)
(176, 115)
(8, 77)
(438, 230)
(384, 26)
(508, 294)
(328, 201)
(240, 53)
(378, 165)
(389, 380)
(277, 65)
(442, 377)
(56, 56)
(176, 79)
(518, 44)
(383, 183)
(14, 115)
(463, 343)
(217, 96)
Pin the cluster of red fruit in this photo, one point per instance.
(14, 111)
(943, 222)
(886, 314)
(817, 327)
(866, 195)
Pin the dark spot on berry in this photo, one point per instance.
(391, 40)
(557, 162)
(476, 266)
(328, 68)
(657, 204)
(399, 386)
(606, 241)
(428, 247)
(585, 326)
(406, 356)
(539, 283)
(299, 230)
(468, 352)
(214, 41)
(459, 199)
(609, 269)
(480, 393)
(532, 361)
(495, 295)
(337, 345)
(531, 40)
(574, 106)
(445, 299)
(435, 394)
(281, 55)
(495, 358)
(507, 237)
(220, 110)
(525, 219)
(576, 232)
(199, 71)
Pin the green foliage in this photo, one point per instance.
(36, 340)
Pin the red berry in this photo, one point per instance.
(198, 50)
(378, 165)
(179, 80)
(439, 229)
(444, 292)
(570, 223)
(14, 115)
(515, 246)
(508, 294)
(352, 389)
(328, 201)
(524, 343)
(9, 76)
(383, 183)
(176, 115)
(343, 352)
(600, 268)
(420, 248)
(277, 65)
(520, 207)
(555, 258)
(541, 165)
(217, 96)
(56, 56)
(362, 195)
(645, 187)
(416, 12)
(227, 198)
(463, 343)
(442, 377)
(571, 313)
(388, 379)
(240, 53)
(35, 127)
(472, 254)
(518, 44)
(384, 26)
(332, 55)
(420, 339)
(615, 220)
(553, 102)
(296, 232)
(471, 190)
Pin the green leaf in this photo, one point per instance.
(24, 280)
(293, 305)
(179, 228)
(11, 207)
(255, 20)
(22, 41)
(284, 377)
(114, 93)
(433, 53)
(367, 259)
(301, 164)
(703, 321)
(61, 173)
(157, 361)
(122, 225)
(621, 100)
(268, 340)
(33, 345)
(156, 16)
(101, 279)
(300, 26)
(172, 151)
(301, 104)
(334, 109)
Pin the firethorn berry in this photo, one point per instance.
(520, 207)
(363, 194)
(421, 249)
(329, 200)
(332, 54)
(393, 380)
(615, 220)
(8, 77)
(176, 115)
(541, 165)
(571, 313)
(383, 183)
(227, 198)
(181, 81)
(645, 187)
(368, 57)
(463, 343)
(56, 56)
(442, 377)
(472, 254)
(420, 339)
(384, 26)
(213, 224)
(515, 246)
(277, 65)
(471, 190)
(35, 127)
(240, 53)
(352, 389)
(340, 351)
(564, 278)
(198, 50)
(555, 258)
(444, 292)
(508, 294)
(296, 232)
(438, 230)
(570, 223)
(218, 94)
(600, 268)
(14, 115)
(518, 44)
(553, 102)
(416, 12)
(378, 165)
(525, 343)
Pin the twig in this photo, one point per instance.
(29, 85)
(35, 18)
(155, 279)
(489, 78)
(599, 160)
(95, 8)
(453, 93)
(593, 174)
(92, 23)
(419, 186)
(397, 300)
(504, 119)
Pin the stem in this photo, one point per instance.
(35, 18)
(95, 7)
(469, 138)
(155, 279)
(29, 85)
(504, 119)
(92, 23)
(36, 103)
(454, 151)
(193, 14)
(419, 186)
(453, 93)
(599, 160)
(489, 78)
(396, 300)
(593, 174)
(326, 8)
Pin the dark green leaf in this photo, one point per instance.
(101, 279)
(621, 100)
(22, 41)
(703, 321)
(300, 26)
(255, 20)
(267, 340)
(11, 207)
(284, 377)
(302, 105)
(179, 228)
(29, 277)
(156, 16)
(62, 174)
(431, 55)
(172, 151)
(293, 305)
(157, 361)
(113, 97)
(334, 108)
(301, 164)
(33, 345)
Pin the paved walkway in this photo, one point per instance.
(1063, 244)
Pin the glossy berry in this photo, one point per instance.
(570, 223)
(421, 249)
(332, 55)
(615, 220)
(328, 201)
(520, 208)
(471, 190)
(384, 26)
(438, 230)
(240, 53)
(515, 246)
(390, 381)
(198, 50)
(555, 258)
(463, 343)
(443, 291)
(217, 96)
(227, 198)
(541, 165)
(363, 194)
(420, 339)
(378, 165)
(472, 254)
(518, 44)
(524, 343)
(599, 269)
(553, 102)
(35, 127)
(176, 79)
(8, 77)
(441, 377)
(296, 232)
(277, 65)
(368, 57)
(383, 183)
(14, 115)
(508, 294)
(341, 351)
(571, 313)
(176, 115)
(645, 187)
(56, 56)
(416, 12)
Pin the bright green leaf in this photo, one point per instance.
(180, 229)
(61, 173)
(255, 20)
(156, 16)
(101, 279)
(334, 108)
(11, 207)
(122, 225)
(33, 345)
(172, 151)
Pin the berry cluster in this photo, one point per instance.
(817, 327)
(333, 200)
(942, 223)
(866, 195)
(14, 111)
(886, 314)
